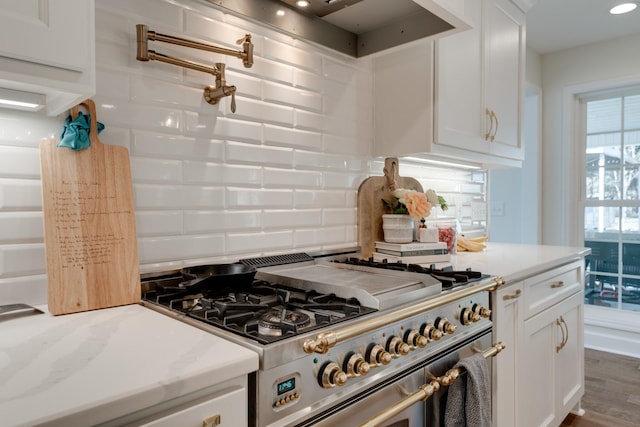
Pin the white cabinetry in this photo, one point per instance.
(542, 380)
(461, 98)
(507, 321)
(48, 47)
(228, 409)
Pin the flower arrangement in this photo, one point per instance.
(414, 203)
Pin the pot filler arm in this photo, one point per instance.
(212, 94)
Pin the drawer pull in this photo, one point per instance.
(512, 296)
(557, 284)
(211, 421)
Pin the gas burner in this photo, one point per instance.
(279, 322)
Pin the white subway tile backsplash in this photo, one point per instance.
(150, 12)
(284, 178)
(159, 223)
(175, 147)
(22, 260)
(20, 194)
(21, 227)
(317, 236)
(251, 198)
(278, 135)
(215, 173)
(238, 243)
(19, 162)
(288, 219)
(279, 175)
(237, 152)
(299, 58)
(156, 170)
(299, 98)
(198, 222)
(159, 249)
(332, 217)
(320, 199)
(260, 111)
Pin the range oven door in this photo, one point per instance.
(384, 396)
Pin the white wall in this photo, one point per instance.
(514, 194)
(279, 175)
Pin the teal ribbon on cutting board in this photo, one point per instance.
(75, 133)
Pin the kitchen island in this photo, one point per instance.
(538, 314)
(115, 366)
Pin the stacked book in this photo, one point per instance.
(412, 253)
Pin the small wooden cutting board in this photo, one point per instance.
(89, 225)
(371, 207)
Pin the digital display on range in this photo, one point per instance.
(286, 386)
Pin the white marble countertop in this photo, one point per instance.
(516, 261)
(91, 367)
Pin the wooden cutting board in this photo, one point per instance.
(89, 225)
(371, 207)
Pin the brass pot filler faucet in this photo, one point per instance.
(212, 94)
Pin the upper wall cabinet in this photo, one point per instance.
(459, 97)
(47, 47)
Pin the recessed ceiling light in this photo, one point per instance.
(623, 8)
(280, 12)
(302, 3)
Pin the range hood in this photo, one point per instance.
(355, 27)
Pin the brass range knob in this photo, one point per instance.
(468, 316)
(431, 332)
(444, 325)
(415, 340)
(355, 365)
(481, 311)
(377, 355)
(396, 347)
(331, 375)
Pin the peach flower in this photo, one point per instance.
(416, 203)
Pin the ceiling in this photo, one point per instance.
(554, 25)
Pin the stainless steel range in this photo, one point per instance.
(339, 339)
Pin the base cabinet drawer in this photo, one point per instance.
(548, 288)
(226, 409)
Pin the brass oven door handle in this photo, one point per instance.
(426, 391)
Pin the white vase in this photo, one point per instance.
(398, 228)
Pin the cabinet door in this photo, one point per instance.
(46, 32)
(551, 367)
(504, 76)
(228, 408)
(570, 357)
(536, 372)
(459, 120)
(507, 320)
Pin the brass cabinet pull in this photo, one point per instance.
(495, 132)
(515, 295)
(489, 113)
(565, 336)
(211, 421)
(557, 284)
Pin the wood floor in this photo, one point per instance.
(612, 392)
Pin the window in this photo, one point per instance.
(612, 198)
